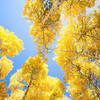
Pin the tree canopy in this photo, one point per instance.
(77, 52)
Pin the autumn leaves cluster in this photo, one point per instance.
(77, 52)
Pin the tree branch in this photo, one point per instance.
(27, 89)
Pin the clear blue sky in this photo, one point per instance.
(11, 19)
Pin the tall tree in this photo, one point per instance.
(79, 57)
(33, 75)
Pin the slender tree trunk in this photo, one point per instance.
(27, 89)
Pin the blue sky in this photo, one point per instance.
(11, 19)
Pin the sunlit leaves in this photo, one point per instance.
(46, 26)
(16, 81)
(5, 67)
(3, 90)
(39, 86)
(16, 95)
(35, 67)
(78, 48)
(48, 89)
(46, 16)
(78, 53)
(73, 8)
(10, 45)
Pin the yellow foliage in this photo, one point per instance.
(48, 89)
(15, 81)
(5, 67)
(45, 28)
(35, 67)
(65, 98)
(78, 53)
(39, 85)
(16, 95)
(3, 90)
(75, 7)
(10, 45)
